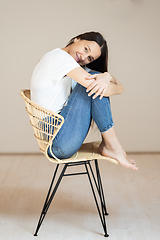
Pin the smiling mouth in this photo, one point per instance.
(77, 58)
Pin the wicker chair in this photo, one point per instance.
(46, 125)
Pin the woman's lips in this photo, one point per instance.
(77, 58)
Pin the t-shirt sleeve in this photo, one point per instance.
(60, 64)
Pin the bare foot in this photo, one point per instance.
(117, 152)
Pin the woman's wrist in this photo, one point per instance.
(108, 75)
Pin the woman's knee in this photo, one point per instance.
(92, 72)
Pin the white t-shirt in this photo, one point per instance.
(50, 87)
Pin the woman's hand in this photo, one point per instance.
(100, 85)
(112, 85)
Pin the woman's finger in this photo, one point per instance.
(91, 86)
(94, 90)
(102, 94)
(99, 92)
(92, 76)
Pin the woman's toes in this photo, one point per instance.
(134, 167)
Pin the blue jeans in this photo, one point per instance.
(78, 113)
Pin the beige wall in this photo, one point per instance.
(29, 28)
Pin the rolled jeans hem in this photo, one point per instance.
(101, 131)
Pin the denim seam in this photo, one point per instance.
(56, 148)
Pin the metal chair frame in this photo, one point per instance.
(96, 186)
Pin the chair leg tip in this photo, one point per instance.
(106, 235)
(35, 235)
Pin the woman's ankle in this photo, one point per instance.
(110, 147)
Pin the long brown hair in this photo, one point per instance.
(101, 63)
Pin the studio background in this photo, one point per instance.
(30, 28)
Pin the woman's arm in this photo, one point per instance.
(101, 84)
(114, 86)
(114, 89)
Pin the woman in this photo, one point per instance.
(51, 88)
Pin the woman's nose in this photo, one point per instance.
(84, 56)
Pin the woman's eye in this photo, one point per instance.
(86, 49)
(89, 58)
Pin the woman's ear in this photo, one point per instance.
(76, 40)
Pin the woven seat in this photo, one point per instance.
(46, 125)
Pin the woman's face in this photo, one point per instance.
(84, 52)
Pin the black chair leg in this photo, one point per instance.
(99, 188)
(50, 196)
(98, 183)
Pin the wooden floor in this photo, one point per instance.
(133, 201)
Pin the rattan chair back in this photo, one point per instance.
(46, 124)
